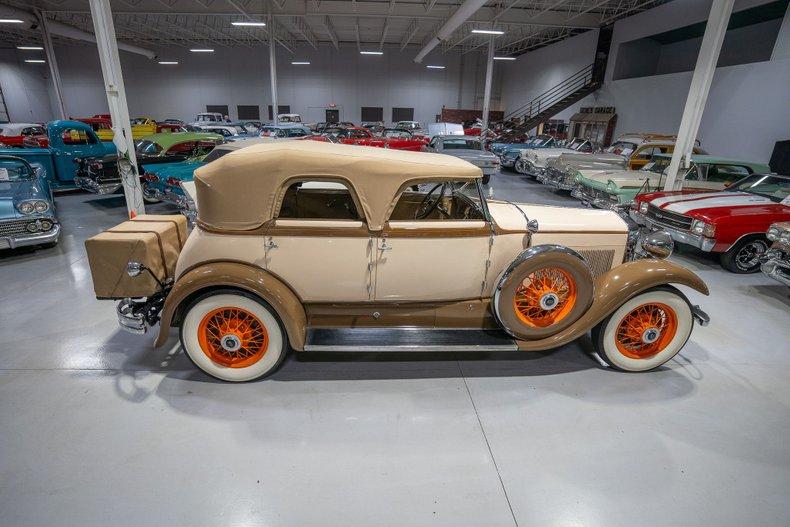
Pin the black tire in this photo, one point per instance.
(486, 179)
(215, 371)
(744, 256)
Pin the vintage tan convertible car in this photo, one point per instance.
(325, 247)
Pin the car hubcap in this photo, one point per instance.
(545, 297)
(233, 337)
(646, 330)
(749, 255)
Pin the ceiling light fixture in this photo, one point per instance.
(432, 67)
(300, 62)
(249, 23)
(504, 58)
(11, 21)
(488, 31)
(30, 48)
(168, 62)
(201, 50)
(371, 52)
(35, 61)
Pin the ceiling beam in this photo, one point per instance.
(414, 26)
(303, 29)
(330, 29)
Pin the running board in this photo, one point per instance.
(407, 339)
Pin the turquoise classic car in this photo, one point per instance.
(616, 189)
(27, 210)
(511, 152)
(69, 143)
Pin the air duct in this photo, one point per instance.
(65, 30)
(463, 13)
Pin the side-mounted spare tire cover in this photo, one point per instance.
(545, 290)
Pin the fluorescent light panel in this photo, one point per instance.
(168, 62)
(371, 52)
(300, 62)
(201, 50)
(249, 23)
(488, 31)
(504, 58)
(11, 21)
(35, 61)
(30, 48)
(432, 67)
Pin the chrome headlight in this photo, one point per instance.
(32, 227)
(26, 207)
(703, 229)
(41, 206)
(643, 207)
(45, 225)
(31, 206)
(773, 233)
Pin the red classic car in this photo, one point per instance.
(395, 139)
(732, 222)
(23, 134)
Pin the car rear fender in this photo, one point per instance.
(238, 275)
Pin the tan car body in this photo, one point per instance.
(379, 271)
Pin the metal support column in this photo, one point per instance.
(116, 100)
(489, 79)
(698, 92)
(52, 61)
(273, 68)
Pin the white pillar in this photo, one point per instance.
(273, 68)
(698, 91)
(489, 79)
(52, 62)
(116, 100)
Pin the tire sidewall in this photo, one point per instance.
(729, 258)
(275, 352)
(606, 342)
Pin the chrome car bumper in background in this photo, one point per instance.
(776, 264)
(12, 241)
(700, 242)
(557, 179)
(597, 198)
(110, 186)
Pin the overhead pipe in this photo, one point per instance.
(65, 30)
(460, 16)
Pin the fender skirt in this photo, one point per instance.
(613, 289)
(239, 276)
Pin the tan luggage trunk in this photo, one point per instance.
(154, 241)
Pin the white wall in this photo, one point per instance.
(747, 109)
(25, 87)
(240, 76)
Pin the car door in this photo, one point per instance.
(74, 142)
(319, 243)
(430, 259)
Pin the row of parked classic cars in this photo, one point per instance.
(733, 207)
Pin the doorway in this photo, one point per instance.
(332, 116)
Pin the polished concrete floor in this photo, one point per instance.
(97, 428)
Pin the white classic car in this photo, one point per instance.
(532, 161)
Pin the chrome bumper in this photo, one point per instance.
(597, 202)
(556, 179)
(700, 242)
(507, 163)
(91, 185)
(41, 238)
(776, 265)
(128, 319)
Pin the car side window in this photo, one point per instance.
(319, 200)
(75, 136)
(646, 153)
(296, 133)
(439, 201)
(727, 173)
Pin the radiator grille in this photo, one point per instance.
(10, 228)
(600, 261)
(668, 218)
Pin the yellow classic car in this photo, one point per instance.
(322, 247)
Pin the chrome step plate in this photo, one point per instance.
(407, 339)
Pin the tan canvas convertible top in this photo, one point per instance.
(241, 190)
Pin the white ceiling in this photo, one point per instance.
(367, 24)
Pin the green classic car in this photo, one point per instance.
(616, 189)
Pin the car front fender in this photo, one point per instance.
(237, 275)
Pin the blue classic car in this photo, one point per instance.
(27, 210)
(69, 142)
(511, 152)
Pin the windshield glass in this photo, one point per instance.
(15, 170)
(145, 146)
(542, 140)
(397, 134)
(774, 188)
(215, 154)
(621, 148)
(268, 131)
(461, 144)
(658, 165)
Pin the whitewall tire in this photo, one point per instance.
(646, 331)
(233, 336)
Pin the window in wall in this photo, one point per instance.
(372, 114)
(281, 108)
(217, 108)
(402, 114)
(751, 36)
(251, 111)
(318, 200)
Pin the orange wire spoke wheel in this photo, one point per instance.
(233, 337)
(545, 297)
(646, 331)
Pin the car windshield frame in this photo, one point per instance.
(757, 179)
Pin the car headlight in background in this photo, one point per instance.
(703, 229)
(31, 206)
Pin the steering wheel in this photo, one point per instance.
(430, 204)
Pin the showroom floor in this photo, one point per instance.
(96, 428)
